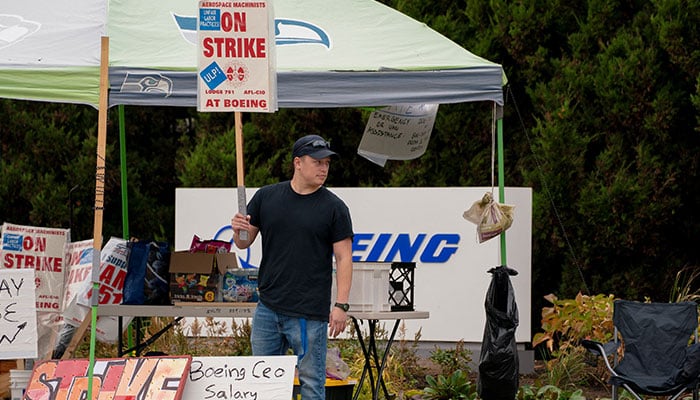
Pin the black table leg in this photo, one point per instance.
(120, 341)
(372, 360)
(367, 369)
(380, 367)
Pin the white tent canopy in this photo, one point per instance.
(330, 53)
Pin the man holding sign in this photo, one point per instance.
(235, 60)
(303, 225)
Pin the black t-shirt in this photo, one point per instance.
(298, 232)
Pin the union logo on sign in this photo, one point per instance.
(237, 74)
(213, 75)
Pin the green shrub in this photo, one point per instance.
(454, 386)
(564, 325)
(450, 361)
(548, 392)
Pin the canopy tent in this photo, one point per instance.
(330, 53)
(364, 53)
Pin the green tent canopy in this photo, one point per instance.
(329, 53)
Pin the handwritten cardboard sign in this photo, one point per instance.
(398, 132)
(229, 378)
(18, 329)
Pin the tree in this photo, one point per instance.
(602, 117)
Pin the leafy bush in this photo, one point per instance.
(452, 360)
(548, 392)
(570, 320)
(454, 386)
(564, 325)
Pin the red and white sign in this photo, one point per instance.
(113, 260)
(40, 249)
(235, 57)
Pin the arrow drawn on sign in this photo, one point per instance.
(19, 329)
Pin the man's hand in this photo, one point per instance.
(337, 321)
(240, 223)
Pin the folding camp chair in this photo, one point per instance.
(657, 359)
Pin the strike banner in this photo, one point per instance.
(398, 132)
(40, 249)
(18, 325)
(78, 260)
(235, 57)
(79, 272)
(113, 261)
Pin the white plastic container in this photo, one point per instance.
(19, 380)
(370, 287)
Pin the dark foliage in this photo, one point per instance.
(601, 120)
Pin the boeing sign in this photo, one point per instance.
(420, 225)
(437, 248)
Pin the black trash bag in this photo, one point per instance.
(498, 361)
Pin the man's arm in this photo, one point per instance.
(343, 275)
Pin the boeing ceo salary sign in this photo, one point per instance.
(235, 57)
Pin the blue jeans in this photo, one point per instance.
(273, 334)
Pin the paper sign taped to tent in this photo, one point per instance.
(235, 57)
(398, 132)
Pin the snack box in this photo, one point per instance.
(240, 285)
(199, 276)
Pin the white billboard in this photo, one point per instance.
(421, 225)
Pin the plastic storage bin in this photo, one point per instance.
(19, 380)
(370, 287)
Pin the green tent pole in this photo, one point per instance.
(501, 175)
(122, 156)
(94, 300)
(125, 192)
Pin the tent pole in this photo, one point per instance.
(122, 157)
(501, 175)
(99, 200)
(125, 193)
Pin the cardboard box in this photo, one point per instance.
(198, 276)
(241, 285)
